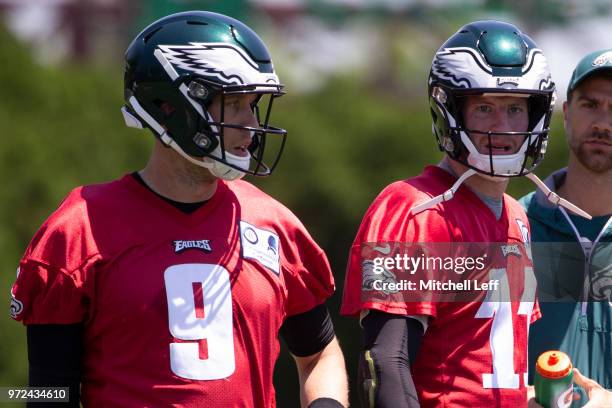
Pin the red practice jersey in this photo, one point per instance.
(473, 353)
(178, 309)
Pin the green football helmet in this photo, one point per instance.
(177, 65)
(490, 57)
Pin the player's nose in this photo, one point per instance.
(501, 122)
(603, 121)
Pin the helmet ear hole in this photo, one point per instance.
(166, 108)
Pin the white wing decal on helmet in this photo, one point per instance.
(465, 68)
(462, 66)
(230, 64)
(536, 74)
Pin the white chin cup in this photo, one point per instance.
(503, 165)
(222, 170)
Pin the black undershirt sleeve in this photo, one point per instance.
(391, 343)
(54, 356)
(308, 333)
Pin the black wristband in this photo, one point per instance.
(325, 403)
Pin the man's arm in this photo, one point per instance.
(311, 340)
(323, 378)
(391, 344)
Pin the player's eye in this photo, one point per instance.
(587, 104)
(483, 108)
(233, 104)
(514, 109)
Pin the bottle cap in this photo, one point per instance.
(553, 364)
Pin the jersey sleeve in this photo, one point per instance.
(308, 277)
(358, 294)
(45, 294)
(388, 221)
(54, 282)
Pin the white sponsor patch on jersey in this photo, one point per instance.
(261, 245)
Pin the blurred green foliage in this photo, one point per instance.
(61, 127)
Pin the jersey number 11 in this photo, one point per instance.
(498, 306)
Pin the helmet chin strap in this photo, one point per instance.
(217, 169)
(446, 196)
(450, 193)
(555, 199)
